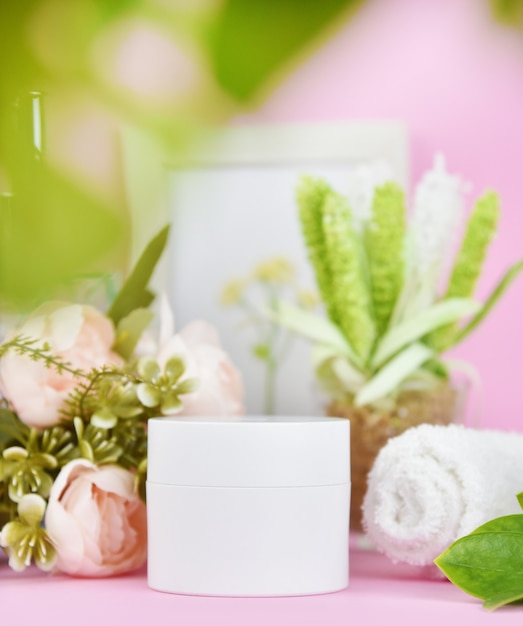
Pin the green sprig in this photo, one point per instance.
(349, 290)
(311, 195)
(384, 241)
(481, 227)
(29, 347)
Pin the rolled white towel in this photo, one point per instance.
(434, 484)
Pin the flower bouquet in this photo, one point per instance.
(78, 387)
(398, 294)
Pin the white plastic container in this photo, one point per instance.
(253, 507)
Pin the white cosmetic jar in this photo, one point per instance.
(250, 507)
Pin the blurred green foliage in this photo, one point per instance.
(250, 39)
(54, 226)
(508, 12)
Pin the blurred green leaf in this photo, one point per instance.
(312, 327)
(251, 39)
(51, 232)
(415, 327)
(11, 428)
(52, 229)
(393, 373)
(261, 351)
(508, 11)
(130, 329)
(496, 294)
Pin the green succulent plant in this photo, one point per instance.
(376, 339)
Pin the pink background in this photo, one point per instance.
(455, 77)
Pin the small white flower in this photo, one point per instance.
(361, 184)
(437, 213)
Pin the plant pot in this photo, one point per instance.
(372, 428)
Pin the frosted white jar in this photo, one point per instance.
(251, 507)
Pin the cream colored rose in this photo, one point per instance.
(95, 520)
(220, 389)
(76, 333)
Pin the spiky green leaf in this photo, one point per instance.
(311, 195)
(350, 292)
(496, 294)
(134, 293)
(312, 327)
(416, 327)
(393, 373)
(481, 227)
(384, 242)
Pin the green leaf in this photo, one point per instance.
(104, 418)
(508, 12)
(312, 327)
(174, 369)
(416, 327)
(12, 428)
(15, 453)
(252, 39)
(53, 232)
(149, 396)
(130, 329)
(189, 385)
(31, 509)
(86, 450)
(134, 293)
(488, 563)
(500, 289)
(171, 404)
(336, 371)
(149, 369)
(396, 370)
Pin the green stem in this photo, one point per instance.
(270, 386)
(272, 362)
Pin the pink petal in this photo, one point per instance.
(66, 536)
(200, 332)
(67, 474)
(166, 320)
(66, 323)
(114, 479)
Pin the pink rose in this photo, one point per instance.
(76, 333)
(96, 521)
(220, 391)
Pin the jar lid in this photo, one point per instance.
(249, 451)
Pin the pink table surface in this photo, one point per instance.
(380, 592)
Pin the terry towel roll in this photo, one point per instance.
(434, 484)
